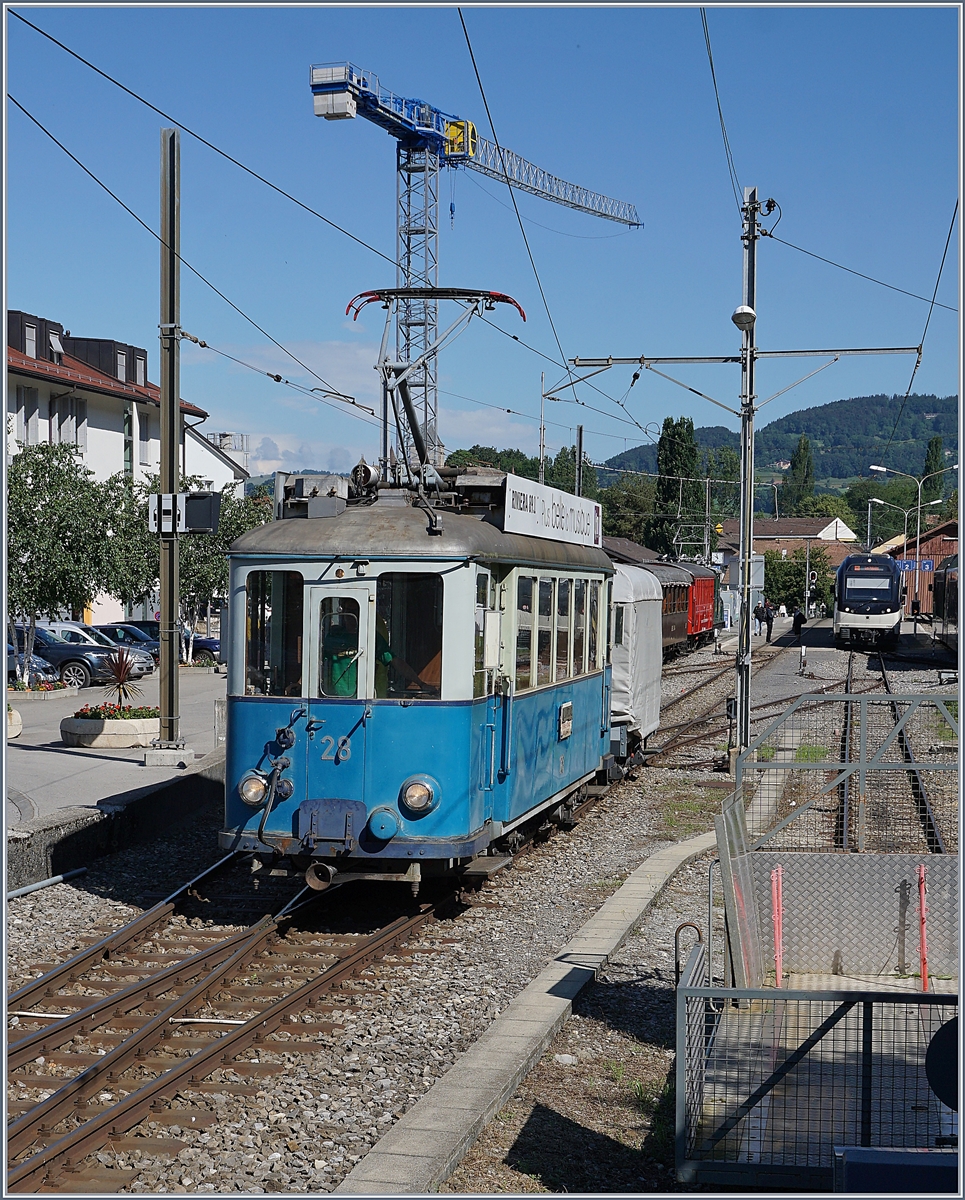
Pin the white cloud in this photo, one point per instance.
(487, 427)
(283, 452)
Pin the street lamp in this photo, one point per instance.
(918, 482)
(905, 512)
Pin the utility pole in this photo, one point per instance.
(542, 424)
(579, 460)
(170, 738)
(745, 318)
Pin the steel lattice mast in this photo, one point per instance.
(428, 140)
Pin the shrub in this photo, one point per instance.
(114, 712)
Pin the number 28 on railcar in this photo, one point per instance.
(410, 684)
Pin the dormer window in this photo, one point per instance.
(122, 366)
(140, 371)
(56, 347)
(30, 341)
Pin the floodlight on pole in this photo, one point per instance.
(744, 317)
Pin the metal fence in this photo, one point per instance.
(769, 1081)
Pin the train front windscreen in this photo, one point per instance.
(866, 583)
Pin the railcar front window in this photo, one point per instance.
(273, 633)
(563, 629)
(544, 644)
(871, 586)
(579, 626)
(524, 632)
(341, 652)
(408, 636)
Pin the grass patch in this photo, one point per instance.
(685, 813)
(807, 752)
(765, 753)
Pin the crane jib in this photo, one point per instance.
(343, 90)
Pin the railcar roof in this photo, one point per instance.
(395, 531)
(668, 572)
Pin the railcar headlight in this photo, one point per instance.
(253, 789)
(419, 795)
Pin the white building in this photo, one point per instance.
(95, 394)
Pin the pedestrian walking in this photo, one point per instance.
(769, 618)
(759, 617)
(799, 621)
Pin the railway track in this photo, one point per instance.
(148, 1014)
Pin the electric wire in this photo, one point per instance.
(731, 169)
(512, 193)
(921, 344)
(281, 379)
(113, 195)
(203, 140)
(860, 274)
(619, 437)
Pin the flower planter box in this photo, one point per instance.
(110, 735)
(17, 697)
(14, 723)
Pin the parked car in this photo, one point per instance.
(132, 637)
(206, 649)
(77, 663)
(77, 633)
(41, 670)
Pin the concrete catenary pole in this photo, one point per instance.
(170, 733)
(744, 318)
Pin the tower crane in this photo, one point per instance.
(427, 140)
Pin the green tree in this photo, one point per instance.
(887, 521)
(934, 488)
(131, 555)
(724, 464)
(502, 460)
(679, 500)
(826, 506)
(784, 578)
(562, 473)
(627, 506)
(798, 485)
(55, 536)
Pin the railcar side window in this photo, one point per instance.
(341, 652)
(594, 623)
(524, 632)
(563, 588)
(609, 626)
(408, 635)
(484, 601)
(273, 633)
(618, 617)
(579, 626)
(544, 644)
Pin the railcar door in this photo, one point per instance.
(340, 685)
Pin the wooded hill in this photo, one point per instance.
(846, 436)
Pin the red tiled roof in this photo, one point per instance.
(80, 374)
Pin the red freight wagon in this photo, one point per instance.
(701, 615)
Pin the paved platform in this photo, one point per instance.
(425, 1146)
(44, 777)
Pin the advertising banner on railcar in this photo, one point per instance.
(539, 511)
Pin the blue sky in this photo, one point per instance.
(847, 116)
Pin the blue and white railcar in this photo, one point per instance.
(408, 687)
(868, 596)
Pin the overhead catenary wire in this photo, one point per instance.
(860, 274)
(204, 141)
(921, 344)
(113, 195)
(731, 169)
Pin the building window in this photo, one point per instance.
(122, 366)
(144, 436)
(56, 347)
(129, 439)
(28, 416)
(140, 371)
(30, 341)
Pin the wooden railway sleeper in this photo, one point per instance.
(136, 1105)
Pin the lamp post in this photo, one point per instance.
(918, 482)
(905, 512)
